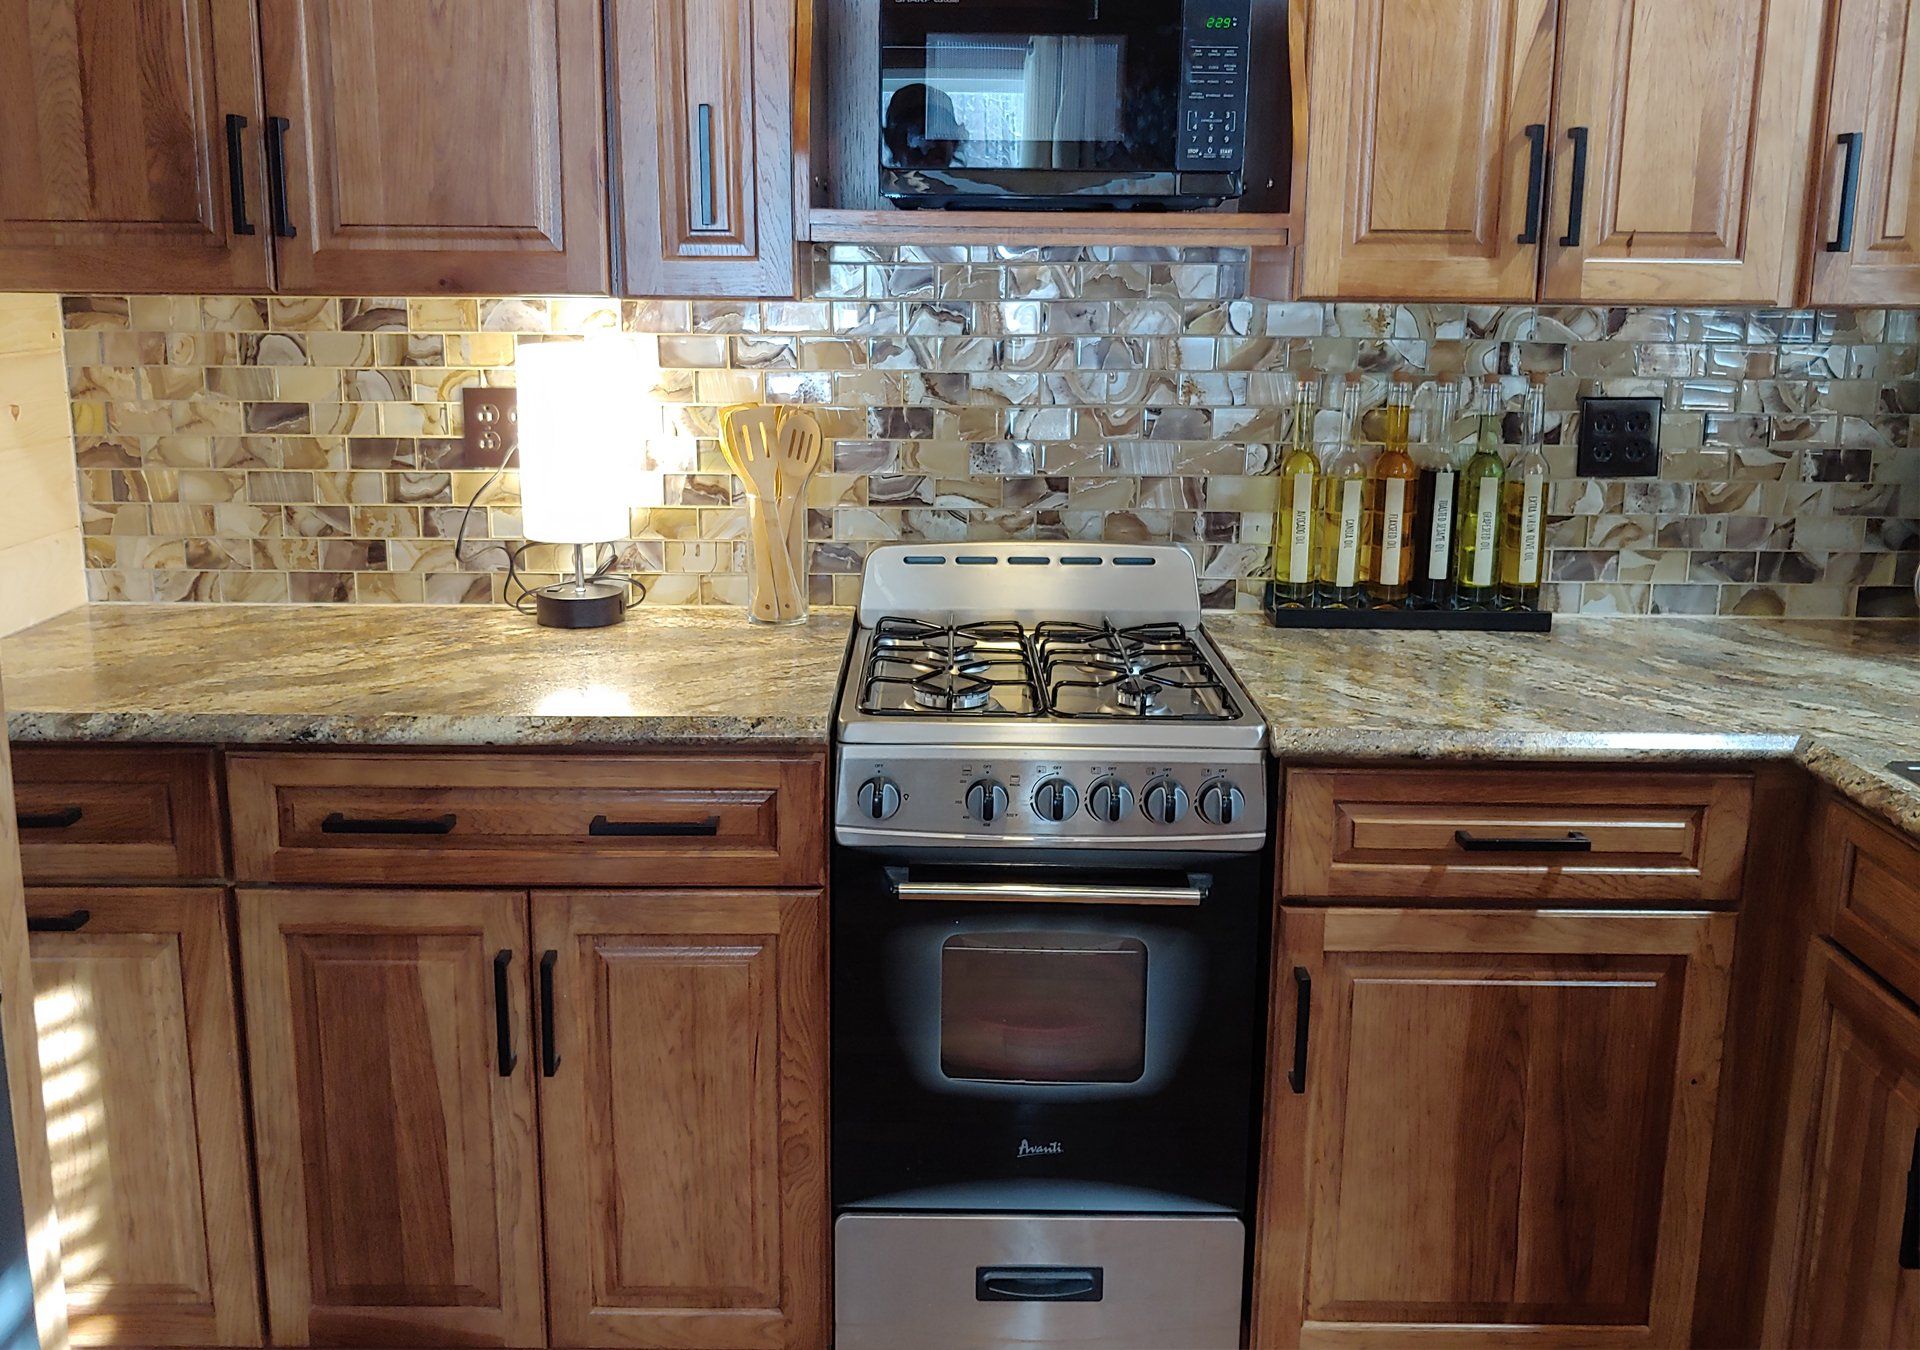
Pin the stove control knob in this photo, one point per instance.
(1056, 800)
(877, 798)
(1221, 803)
(1110, 800)
(986, 801)
(1164, 802)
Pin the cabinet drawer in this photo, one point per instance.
(493, 820)
(1870, 894)
(116, 815)
(1514, 835)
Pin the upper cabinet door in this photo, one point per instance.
(1680, 150)
(131, 154)
(703, 145)
(430, 146)
(1866, 236)
(1428, 128)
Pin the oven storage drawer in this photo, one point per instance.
(88, 814)
(1572, 836)
(984, 1281)
(527, 820)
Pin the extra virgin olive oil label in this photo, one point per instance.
(1530, 529)
(1300, 529)
(1440, 536)
(1392, 528)
(1346, 571)
(1486, 531)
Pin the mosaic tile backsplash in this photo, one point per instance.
(294, 450)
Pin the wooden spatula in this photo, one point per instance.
(749, 437)
(798, 455)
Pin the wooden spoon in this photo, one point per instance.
(749, 434)
(798, 455)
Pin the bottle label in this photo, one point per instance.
(1300, 529)
(1440, 539)
(1392, 531)
(1346, 572)
(1531, 528)
(1486, 529)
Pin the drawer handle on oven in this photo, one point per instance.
(63, 819)
(600, 825)
(1571, 842)
(59, 923)
(963, 892)
(1039, 1284)
(336, 823)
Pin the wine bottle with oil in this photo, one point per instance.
(1523, 508)
(1345, 503)
(1436, 491)
(1294, 509)
(1476, 530)
(1394, 491)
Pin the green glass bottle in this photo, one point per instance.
(1476, 533)
(1293, 517)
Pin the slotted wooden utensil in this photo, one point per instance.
(798, 455)
(749, 439)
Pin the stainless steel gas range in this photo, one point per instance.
(1051, 882)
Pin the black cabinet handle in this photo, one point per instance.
(1577, 197)
(1852, 142)
(704, 149)
(336, 823)
(549, 1040)
(1536, 182)
(600, 825)
(1910, 1221)
(1571, 842)
(63, 923)
(237, 174)
(1039, 1284)
(502, 1016)
(63, 819)
(277, 177)
(1302, 1017)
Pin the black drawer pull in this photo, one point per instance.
(705, 118)
(63, 819)
(60, 923)
(1577, 192)
(336, 823)
(1910, 1220)
(1842, 241)
(277, 128)
(1536, 182)
(502, 1016)
(549, 1038)
(1571, 842)
(237, 175)
(1302, 1017)
(600, 825)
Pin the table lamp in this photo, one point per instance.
(573, 469)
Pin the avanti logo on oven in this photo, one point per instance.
(1028, 1149)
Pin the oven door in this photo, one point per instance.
(1044, 1040)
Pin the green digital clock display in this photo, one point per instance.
(1220, 21)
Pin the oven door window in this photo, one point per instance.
(1043, 1007)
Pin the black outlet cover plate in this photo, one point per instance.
(1619, 437)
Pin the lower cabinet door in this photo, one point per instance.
(140, 1068)
(683, 1064)
(1846, 1257)
(394, 1115)
(1488, 1127)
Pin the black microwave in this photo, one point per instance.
(1095, 104)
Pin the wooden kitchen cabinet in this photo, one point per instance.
(140, 1068)
(702, 129)
(393, 1094)
(682, 1110)
(1864, 242)
(436, 147)
(1488, 1126)
(131, 159)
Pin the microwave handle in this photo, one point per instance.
(1021, 893)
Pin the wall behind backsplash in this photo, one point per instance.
(289, 449)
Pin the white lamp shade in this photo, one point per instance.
(577, 456)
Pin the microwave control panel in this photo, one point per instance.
(1213, 86)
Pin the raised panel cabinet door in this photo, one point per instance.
(420, 146)
(1680, 151)
(703, 145)
(394, 1116)
(1427, 130)
(1488, 1127)
(130, 146)
(1846, 1256)
(682, 1117)
(140, 1072)
(1866, 233)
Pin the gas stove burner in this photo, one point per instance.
(953, 690)
(1140, 692)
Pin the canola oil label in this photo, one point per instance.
(1347, 563)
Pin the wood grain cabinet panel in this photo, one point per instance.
(1419, 156)
(1869, 894)
(116, 162)
(434, 146)
(703, 145)
(1869, 159)
(1695, 120)
(109, 814)
(399, 1187)
(682, 1118)
(1496, 1130)
(140, 1068)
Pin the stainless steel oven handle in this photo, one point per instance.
(1011, 892)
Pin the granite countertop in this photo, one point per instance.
(418, 675)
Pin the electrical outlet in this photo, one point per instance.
(490, 426)
(1619, 437)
